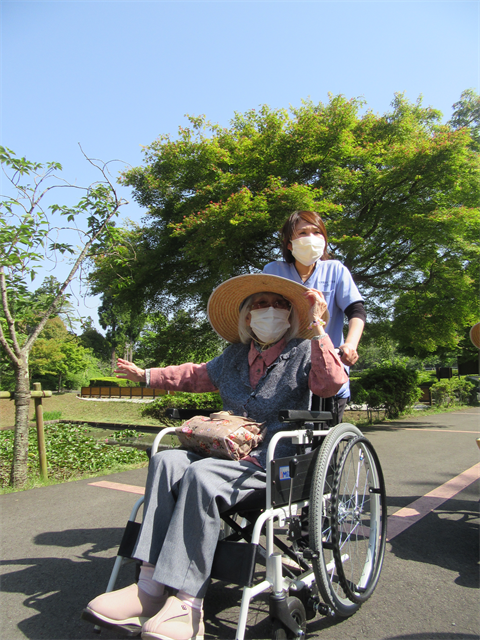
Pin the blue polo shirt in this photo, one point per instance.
(335, 281)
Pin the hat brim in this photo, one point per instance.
(223, 308)
(475, 335)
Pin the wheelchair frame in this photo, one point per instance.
(345, 485)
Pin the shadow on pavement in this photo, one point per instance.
(449, 538)
(57, 588)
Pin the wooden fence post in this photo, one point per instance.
(42, 454)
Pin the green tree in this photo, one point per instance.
(28, 237)
(92, 339)
(57, 352)
(399, 193)
(122, 324)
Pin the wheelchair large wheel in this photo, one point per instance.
(359, 524)
(320, 520)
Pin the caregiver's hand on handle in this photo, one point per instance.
(349, 354)
(129, 371)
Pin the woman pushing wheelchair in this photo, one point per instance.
(279, 354)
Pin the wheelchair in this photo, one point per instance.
(318, 528)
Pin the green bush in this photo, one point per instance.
(113, 382)
(448, 392)
(157, 409)
(427, 378)
(391, 386)
(71, 451)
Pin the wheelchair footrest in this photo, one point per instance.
(234, 562)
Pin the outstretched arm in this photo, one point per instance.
(183, 377)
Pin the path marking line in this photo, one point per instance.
(415, 511)
(437, 430)
(129, 488)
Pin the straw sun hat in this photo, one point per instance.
(475, 335)
(224, 304)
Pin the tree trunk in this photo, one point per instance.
(18, 476)
(113, 360)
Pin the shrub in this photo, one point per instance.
(452, 391)
(157, 409)
(391, 386)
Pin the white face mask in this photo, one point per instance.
(308, 249)
(269, 325)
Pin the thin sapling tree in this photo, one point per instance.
(30, 236)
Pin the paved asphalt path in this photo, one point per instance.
(58, 543)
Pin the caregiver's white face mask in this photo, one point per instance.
(269, 325)
(308, 249)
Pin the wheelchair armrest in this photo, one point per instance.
(186, 414)
(292, 415)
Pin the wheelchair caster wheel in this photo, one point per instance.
(297, 611)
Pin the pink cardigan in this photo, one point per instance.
(326, 377)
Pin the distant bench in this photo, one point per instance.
(121, 392)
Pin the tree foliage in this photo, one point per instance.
(399, 193)
(92, 339)
(123, 326)
(182, 339)
(467, 115)
(57, 352)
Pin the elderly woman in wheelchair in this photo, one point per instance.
(279, 355)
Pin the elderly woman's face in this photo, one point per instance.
(267, 300)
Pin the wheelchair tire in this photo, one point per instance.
(297, 611)
(359, 520)
(320, 520)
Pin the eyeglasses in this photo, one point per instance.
(276, 304)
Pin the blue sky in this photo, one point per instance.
(113, 76)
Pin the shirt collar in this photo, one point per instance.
(269, 355)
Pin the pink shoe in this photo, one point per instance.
(127, 608)
(176, 621)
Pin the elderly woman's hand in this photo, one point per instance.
(317, 302)
(129, 371)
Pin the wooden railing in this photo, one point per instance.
(128, 393)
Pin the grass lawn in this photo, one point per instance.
(73, 408)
